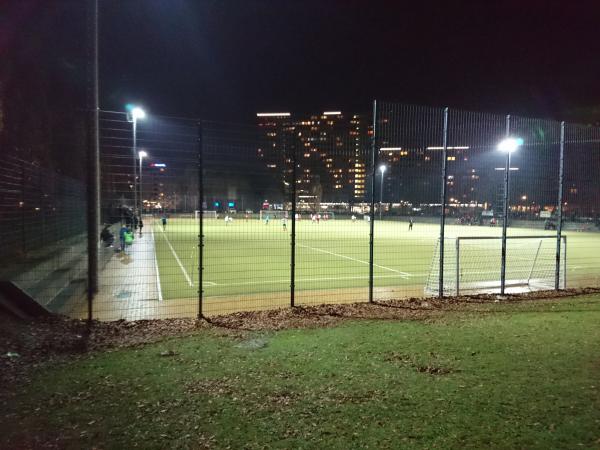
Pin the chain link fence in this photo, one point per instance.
(202, 218)
(43, 234)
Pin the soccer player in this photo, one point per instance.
(410, 224)
(226, 219)
(267, 219)
(353, 218)
(284, 223)
(164, 222)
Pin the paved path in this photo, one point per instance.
(129, 284)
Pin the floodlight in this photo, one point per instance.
(142, 154)
(510, 145)
(138, 113)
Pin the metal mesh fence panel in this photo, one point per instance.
(581, 205)
(331, 154)
(247, 189)
(149, 190)
(408, 164)
(206, 218)
(43, 234)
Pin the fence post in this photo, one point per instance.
(505, 214)
(201, 221)
(293, 236)
(457, 262)
(561, 176)
(374, 154)
(93, 171)
(23, 206)
(443, 203)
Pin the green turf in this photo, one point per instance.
(248, 257)
(508, 376)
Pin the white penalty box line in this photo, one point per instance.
(185, 274)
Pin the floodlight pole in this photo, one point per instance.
(135, 201)
(141, 207)
(505, 213)
(140, 199)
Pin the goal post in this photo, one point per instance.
(472, 264)
(205, 214)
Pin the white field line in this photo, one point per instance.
(158, 287)
(402, 274)
(187, 277)
(299, 280)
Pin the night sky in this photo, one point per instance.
(228, 59)
(232, 58)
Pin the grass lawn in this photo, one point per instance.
(497, 375)
(249, 257)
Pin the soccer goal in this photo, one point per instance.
(205, 214)
(472, 265)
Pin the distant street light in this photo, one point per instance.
(508, 146)
(142, 154)
(135, 113)
(382, 168)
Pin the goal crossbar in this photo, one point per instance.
(205, 214)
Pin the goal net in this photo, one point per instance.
(205, 214)
(473, 264)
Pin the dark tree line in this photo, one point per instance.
(43, 84)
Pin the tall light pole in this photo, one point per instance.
(382, 169)
(508, 146)
(136, 113)
(142, 154)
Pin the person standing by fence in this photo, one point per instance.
(122, 232)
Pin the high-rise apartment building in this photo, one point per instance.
(330, 149)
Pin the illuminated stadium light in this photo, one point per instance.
(510, 145)
(332, 113)
(138, 113)
(390, 149)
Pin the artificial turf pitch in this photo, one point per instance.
(251, 257)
